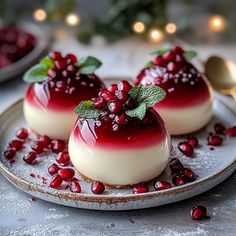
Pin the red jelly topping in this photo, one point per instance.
(184, 85)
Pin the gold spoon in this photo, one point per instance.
(222, 75)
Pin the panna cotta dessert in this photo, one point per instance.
(57, 85)
(119, 139)
(187, 106)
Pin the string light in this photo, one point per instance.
(139, 27)
(72, 19)
(217, 23)
(39, 15)
(171, 28)
(156, 35)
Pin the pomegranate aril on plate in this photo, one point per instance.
(46, 141)
(175, 165)
(198, 212)
(188, 175)
(56, 181)
(140, 188)
(9, 153)
(161, 185)
(53, 169)
(193, 141)
(30, 157)
(57, 145)
(231, 131)
(63, 158)
(22, 133)
(97, 187)
(37, 146)
(17, 144)
(66, 173)
(219, 128)
(75, 187)
(214, 140)
(114, 107)
(179, 180)
(186, 148)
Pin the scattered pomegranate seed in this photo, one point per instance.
(33, 199)
(214, 140)
(114, 106)
(66, 173)
(56, 181)
(161, 185)
(186, 148)
(9, 153)
(37, 146)
(22, 133)
(32, 175)
(112, 88)
(175, 165)
(97, 187)
(30, 157)
(17, 144)
(219, 128)
(53, 169)
(188, 174)
(124, 86)
(99, 103)
(178, 180)
(45, 140)
(63, 158)
(57, 145)
(11, 162)
(193, 141)
(140, 188)
(231, 131)
(75, 187)
(198, 212)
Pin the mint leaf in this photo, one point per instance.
(189, 55)
(37, 73)
(47, 62)
(134, 92)
(138, 112)
(149, 64)
(87, 65)
(86, 110)
(160, 52)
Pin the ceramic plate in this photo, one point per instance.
(211, 166)
(20, 66)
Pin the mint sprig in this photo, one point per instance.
(189, 55)
(85, 109)
(161, 52)
(38, 72)
(88, 65)
(138, 112)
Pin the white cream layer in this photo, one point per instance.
(55, 124)
(119, 167)
(186, 120)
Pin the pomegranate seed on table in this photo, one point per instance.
(124, 86)
(114, 107)
(66, 173)
(22, 133)
(30, 157)
(178, 180)
(112, 88)
(198, 212)
(9, 153)
(107, 95)
(186, 148)
(99, 103)
(97, 187)
(57, 145)
(193, 141)
(188, 174)
(161, 185)
(63, 158)
(219, 128)
(214, 140)
(17, 144)
(56, 181)
(140, 188)
(123, 96)
(231, 131)
(53, 169)
(46, 141)
(175, 165)
(75, 187)
(37, 146)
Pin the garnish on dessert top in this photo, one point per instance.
(55, 65)
(121, 100)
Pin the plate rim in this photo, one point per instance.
(108, 199)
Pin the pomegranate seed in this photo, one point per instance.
(178, 180)
(61, 65)
(114, 107)
(120, 119)
(61, 85)
(66, 173)
(124, 86)
(107, 95)
(71, 58)
(37, 146)
(231, 131)
(179, 59)
(97, 187)
(219, 128)
(172, 67)
(186, 148)
(214, 140)
(99, 103)
(57, 145)
(30, 157)
(112, 88)
(129, 104)
(159, 61)
(32, 175)
(161, 185)
(45, 141)
(55, 55)
(53, 169)
(9, 153)
(22, 133)
(52, 73)
(169, 56)
(56, 181)
(188, 174)
(63, 158)
(141, 188)
(175, 165)
(72, 69)
(17, 144)
(75, 187)
(198, 212)
(193, 141)
(123, 96)
(178, 50)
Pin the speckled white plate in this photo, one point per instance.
(211, 166)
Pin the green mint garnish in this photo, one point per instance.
(38, 73)
(161, 52)
(85, 109)
(87, 65)
(189, 55)
(138, 112)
